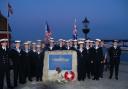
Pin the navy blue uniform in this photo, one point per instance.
(114, 61)
(4, 67)
(98, 59)
(80, 65)
(16, 56)
(39, 65)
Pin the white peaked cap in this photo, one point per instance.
(33, 43)
(75, 40)
(67, 41)
(87, 41)
(39, 40)
(29, 42)
(98, 39)
(91, 41)
(81, 39)
(38, 46)
(1, 40)
(26, 43)
(80, 42)
(60, 39)
(17, 41)
(51, 40)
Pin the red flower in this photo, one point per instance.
(69, 75)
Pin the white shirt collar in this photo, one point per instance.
(4, 48)
(115, 47)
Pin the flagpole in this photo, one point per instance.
(7, 22)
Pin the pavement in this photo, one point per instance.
(104, 83)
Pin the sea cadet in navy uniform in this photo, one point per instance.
(24, 64)
(92, 56)
(114, 53)
(87, 60)
(16, 56)
(4, 64)
(27, 60)
(75, 44)
(80, 61)
(51, 46)
(69, 45)
(98, 60)
(32, 55)
(39, 63)
(61, 45)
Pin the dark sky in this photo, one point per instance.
(108, 18)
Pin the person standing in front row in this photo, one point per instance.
(4, 64)
(39, 63)
(16, 56)
(98, 60)
(81, 61)
(114, 53)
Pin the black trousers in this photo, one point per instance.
(101, 69)
(96, 70)
(22, 75)
(114, 65)
(87, 70)
(39, 73)
(16, 75)
(4, 72)
(81, 72)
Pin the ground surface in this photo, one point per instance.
(104, 83)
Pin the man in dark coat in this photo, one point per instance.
(39, 63)
(87, 59)
(75, 44)
(114, 53)
(98, 60)
(16, 56)
(33, 58)
(92, 56)
(80, 61)
(61, 45)
(51, 46)
(24, 66)
(69, 45)
(4, 64)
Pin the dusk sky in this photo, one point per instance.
(108, 18)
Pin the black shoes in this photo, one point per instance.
(110, 77)
(95, 79)
(10, 87)
(116, 78)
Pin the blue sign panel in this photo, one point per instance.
(62, 61)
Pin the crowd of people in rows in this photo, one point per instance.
(27, 60)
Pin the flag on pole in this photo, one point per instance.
(48, 33)
(75, 31)
(10, 10)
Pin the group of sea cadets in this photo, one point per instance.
(27, 60)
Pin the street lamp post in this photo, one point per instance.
(86, 30)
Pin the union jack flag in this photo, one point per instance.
(48, 33)
(74, 31)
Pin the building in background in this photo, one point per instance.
(5, 31)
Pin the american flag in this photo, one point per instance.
(10, 10)
(48, 32)
(74, 31)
